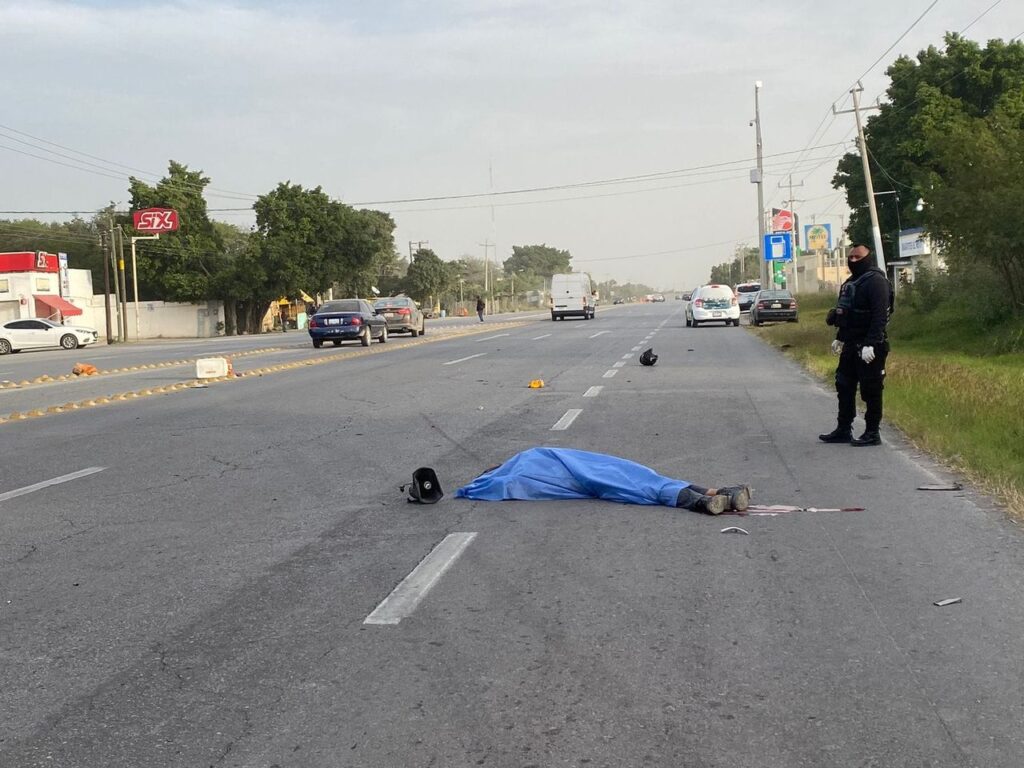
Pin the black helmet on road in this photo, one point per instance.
(647, 357)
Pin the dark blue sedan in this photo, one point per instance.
(347, 319)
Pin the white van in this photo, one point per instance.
(572, 295)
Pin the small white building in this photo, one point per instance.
(32, 284)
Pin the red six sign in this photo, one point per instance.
(155, 220)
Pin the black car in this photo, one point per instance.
(347, 319)
(773, 305)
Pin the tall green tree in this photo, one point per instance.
(938, 87)
(182, 265)
(429, 277)
(540, 260)
(745, 265)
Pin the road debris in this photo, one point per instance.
(735, 529)
(941, 487)
(947, 601)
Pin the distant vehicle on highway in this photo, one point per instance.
(36, 333)
(745, 294)
(572, 295)
(402, 315)
(658, 297)
(619, 301)
(773, 305)
(347, 320)
(712, 303)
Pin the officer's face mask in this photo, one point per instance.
(858, 266)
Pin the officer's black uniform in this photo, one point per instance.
(861, 315)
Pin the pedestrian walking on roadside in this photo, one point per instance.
(480, 306)
(284, 320)
(860, 317)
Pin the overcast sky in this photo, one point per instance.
(388, 100)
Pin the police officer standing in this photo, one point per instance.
(860, 316)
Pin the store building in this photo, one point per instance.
(31, 285)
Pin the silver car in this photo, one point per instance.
(402, 315)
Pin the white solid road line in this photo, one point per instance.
(413, 588)
(619, 364)
(538, 338)
(495, 336)
(593, 391)
(599, 333)
(609, 374)
(47, 483)
(566, 421)
(464, 359)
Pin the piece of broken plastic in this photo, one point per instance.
(735, 529)
(947, 601)
(941, 487)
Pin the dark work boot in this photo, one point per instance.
(712, 505)
(840, 434)
(870, 437)
(738, 495)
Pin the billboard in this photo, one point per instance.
(818, 237)
(914, 242)
(155, 220)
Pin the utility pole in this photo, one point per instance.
(419, 244)
(106, 283)
(792, 212)
(117, 284)
(876, 232)
(124, 285)
(487, 245)
(135, 278)
(757, 177)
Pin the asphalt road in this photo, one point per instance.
(201, 597)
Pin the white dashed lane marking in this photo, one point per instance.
(599, 333)
(609, 374)
(407, 595)
(593, 391)
(566, 421)
(47, 483)
(464, 359)
(489, 338)
(538, 338)
(619, 364)
(628, 355)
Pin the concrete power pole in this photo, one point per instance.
(488, 283)
(757, 177)
(876, 232)
(792, 212)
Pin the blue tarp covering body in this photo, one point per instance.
(565, 473)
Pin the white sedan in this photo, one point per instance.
(35, 333)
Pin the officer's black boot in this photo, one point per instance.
(712, 505)
(841, 434)
(870, 437)
(738, 495)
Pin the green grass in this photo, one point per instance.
(954, 386)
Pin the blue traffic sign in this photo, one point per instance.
(778, 246)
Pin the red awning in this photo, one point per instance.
(66, 308)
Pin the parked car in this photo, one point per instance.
(658, 297)
(745, 295)
(36, 333)
(619, 301)
(402, 315)
(773, 305)
(347, 319)
(712, 303)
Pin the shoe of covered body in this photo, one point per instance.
(738, 496)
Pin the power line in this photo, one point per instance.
(897, 42)
(102, 160)
(980, 16)
(734, 241)
(598, 182)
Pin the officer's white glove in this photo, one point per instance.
(837, 347)
(867, 354)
